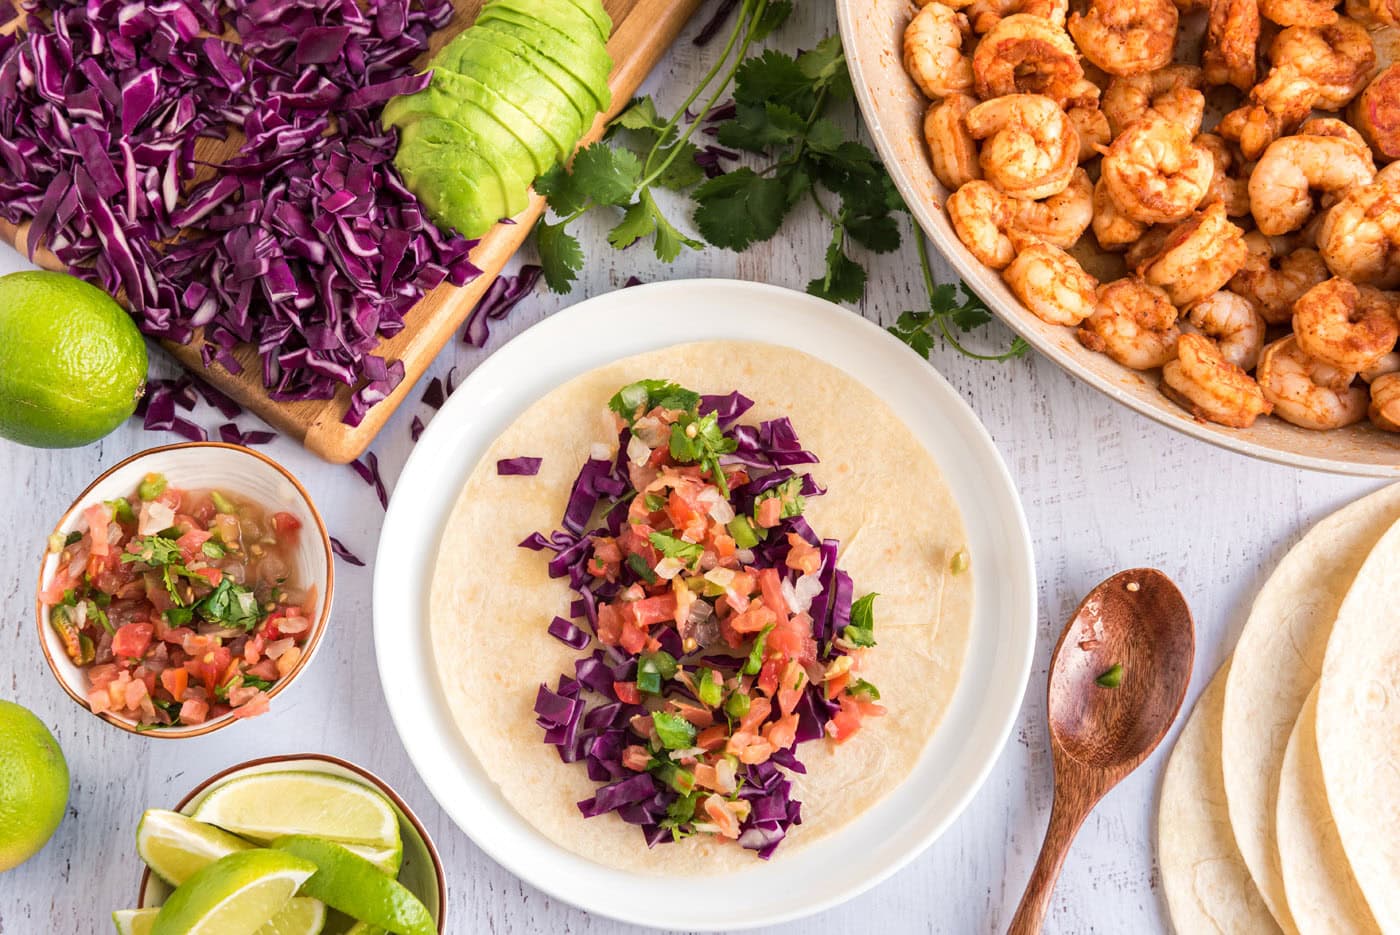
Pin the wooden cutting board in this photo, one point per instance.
(642, 32)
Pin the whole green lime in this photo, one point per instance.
(33, 785)
(72, 363)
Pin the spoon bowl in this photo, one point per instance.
(1117, 680)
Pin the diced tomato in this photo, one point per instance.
(212, 575)
(782, 733)
(699, 716)
(771, 585)
(847, 721)
(609, 625)
(803, 556)
(627, 692)
(770, 513)
(651, 610)
(633, 638)
(171, 497)
(251, 708)
(724, 546)
(98, 516)
(718, 810)
(175, 681)
(712, 738)
(636, 758)
(790, 685)
(265, 670)
(754, 619)
(191, 541)
(768, 675)
(132, 640)
(194, 711)
(759, 709)
(284, 524)
(749, 748)
(835, 686)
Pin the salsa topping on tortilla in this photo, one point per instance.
(723, 633)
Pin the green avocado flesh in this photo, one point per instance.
(593, 9)
(586, 58)
(450, 96)
(493, 52)
(560, 14)
(477, 131)
(458, 188)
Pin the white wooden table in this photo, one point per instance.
(1103, 489)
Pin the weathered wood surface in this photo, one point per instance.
(1104, 489)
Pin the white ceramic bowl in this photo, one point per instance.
(872, 32)
(232, 468)
(421, 872)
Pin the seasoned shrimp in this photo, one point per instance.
(1172, 92)
(1337, 58)
(1344, 325)
(1274, 280)
(1132, 322)
(1307, 392)
(1376, 113)
(1374, 12)
(1205, 383)
(1233, 323)
(1281, 185)
(1299, 12)
(1113, 229)
(1126, 37)
(980, 215)
(951, 149)
(1030, 148)
(1199, 256)
(1060, 219)
(1359, 237)
(1230, 54)
(1052, 284)
(1155, 172)
(985, 14)
(1385, 402)
(1093, 129)
(933, 54)
(1390, 363)
(1225, 188)
(1331, 126)
(1024, 54)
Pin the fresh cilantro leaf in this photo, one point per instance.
(863, 690)
(824, 63)
(559, 190)
(772, 17)
(263, 684)
(560, 255)
(739, 208)
(642, 397)
(232, 605)
(675, 732)
(845, 278)
(682, 172)
(179, 616)
(824, 136)
(154, 551)
(121, 510)
(758, 127)
(641, 115)
(879, 233)
(861, 630)
(640, 567)
(213, 550)
(912, 329)
(637, 222)
(789, 493)
(774, 77)
(607, 175)
(680, 812)
(669, 241)
(671, 547)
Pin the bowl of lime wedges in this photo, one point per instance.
(293, 845)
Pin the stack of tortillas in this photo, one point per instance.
(1281, 802)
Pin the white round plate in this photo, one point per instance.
(958, 756)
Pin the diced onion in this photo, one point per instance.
(790, 596)
(726, 776)
(599, 452)
(807, 588)
(745, 556)
(637, 451)
(695, 752)
(276, 648)
(668, 568)
(155, 516)
(718, 508)
(720, 577)
(651, 430)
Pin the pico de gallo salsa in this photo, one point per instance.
(180, 606)
(715, 631)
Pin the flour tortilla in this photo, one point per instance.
(1322, 891)
(1358, 728)
(887, 504)
(1276, 663)
(1206, 882)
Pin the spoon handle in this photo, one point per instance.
(1065, 819)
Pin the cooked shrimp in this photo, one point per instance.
(1113, 229)
(1155, 172)
(1281, 185)
(1093, 129)
(1299, 12)
(1274, 280)
(1390, 363)
(1052, 284)
(980, 215)
(1148, 245)
(1284, 99)
(1025, 54)
(1359, 237)
(1172, 92)
(1376, 113)
(1132, 322)
(933, 54)
(1225, 188)
(1199, 256)
(1230, 54)
(1307, 392)
(1233, 323)
(1126, 37)
(1205, 383)
(985, 14)
(1030, 148)
(1060, 219)
(1337, 58)
(1344, 325)
(1374, 12)
(1385, 402)
(951, 149)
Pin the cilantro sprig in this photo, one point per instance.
(946, 311)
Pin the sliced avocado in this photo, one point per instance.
(518, 93)
(562, 15)
(450, 96)
(472, 129)
(490, 61)
(593, 9)
(585, 57)
(458, 188)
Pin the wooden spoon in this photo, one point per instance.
(1137, 620)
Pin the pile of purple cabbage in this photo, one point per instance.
(590, 717)
(305, 245)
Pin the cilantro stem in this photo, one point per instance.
(1018, 346)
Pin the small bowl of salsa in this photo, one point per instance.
(184, 589)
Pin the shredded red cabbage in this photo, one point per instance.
(519, 467)
(568, 634)
(233, 435)
(305, 244)
(504, 294)
(415, 428)
(340, 550)
(368, 469)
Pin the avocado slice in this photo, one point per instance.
(490, 52)
(451, 96)
(472, 129)
(586, 58)
(563, 15)
(593, 9)
(519, 94)
(457, 187)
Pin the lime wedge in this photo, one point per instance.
(175, 846)
(265, 806)
(354, 886)
(237, 893)
(301, 916)
(364, 928)
(387, 859)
